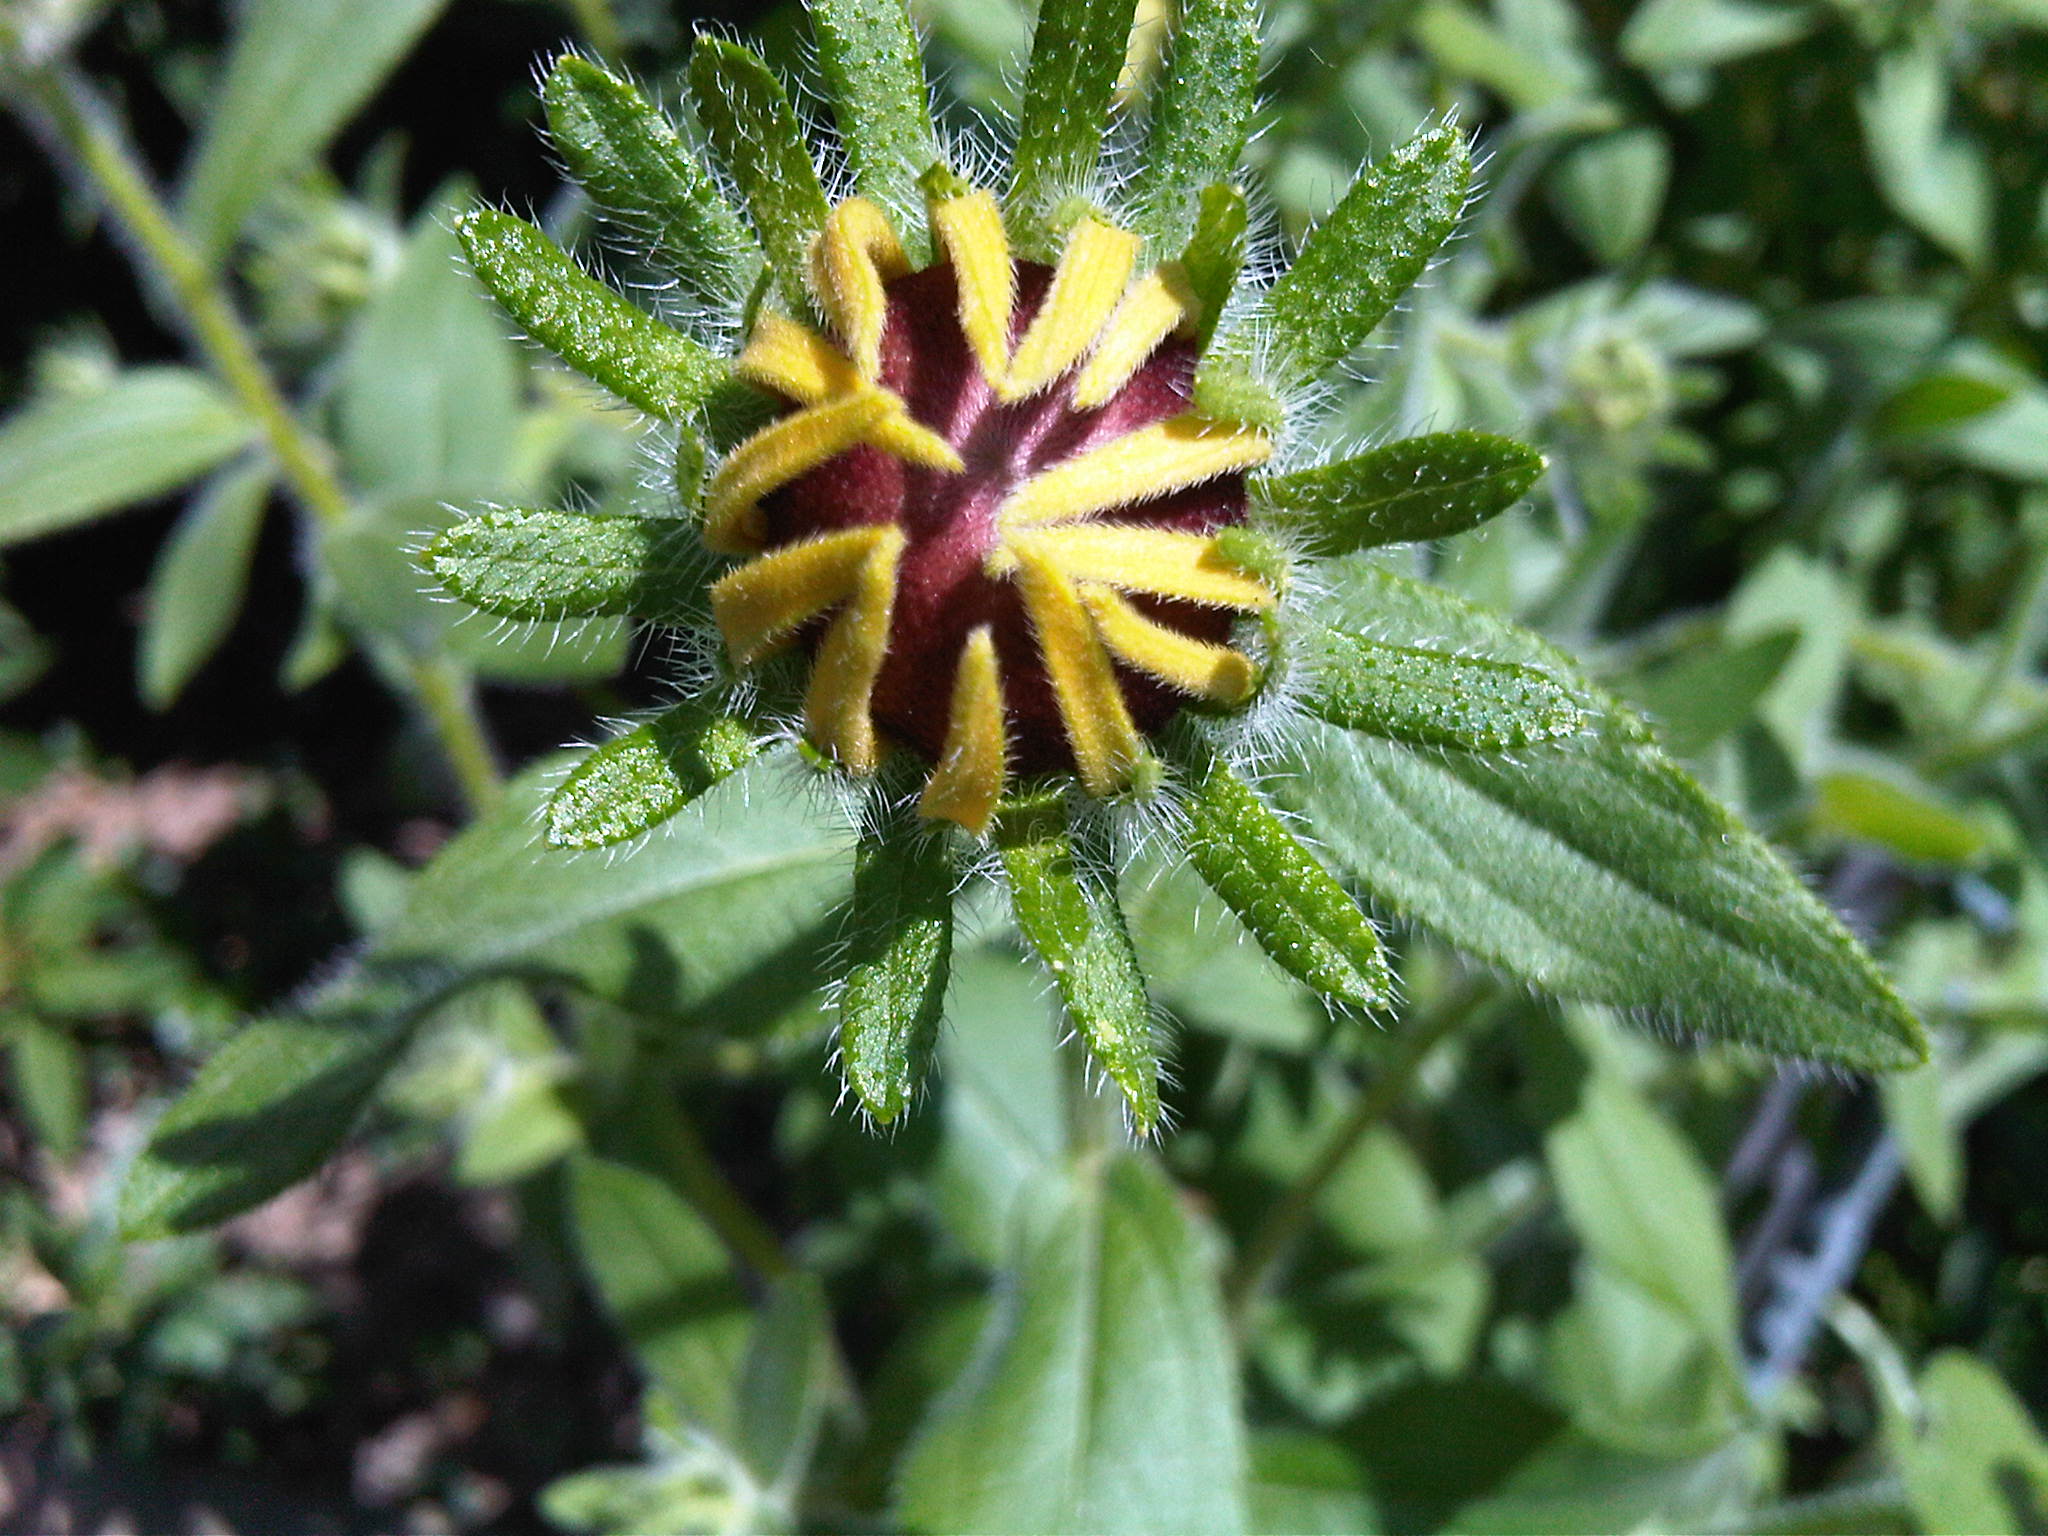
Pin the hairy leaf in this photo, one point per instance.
(1594, 868)
(630, 158)
(591, 328)
(1077, 53)
(522, 563)
(1106, 1400)
(1370, 250)
(901, 949)
(868, 50)
(1434, 698)
(68, 460)
(1067, 909)
(1201, 117)
(1287, 901)
(756, 136)
(639, 780)
(1419, 488)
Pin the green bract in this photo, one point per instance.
(1460, 770)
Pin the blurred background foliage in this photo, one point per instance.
(1768, 282)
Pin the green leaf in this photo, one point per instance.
(726, 910)
(1066, 907)
(298, 71)
(784, 1383)
(1682, 34)
(1287, 901)
(1214, 258)
(1610, 190)
(266, 1110)
(1640, 1202)
(869, 54)
(1307, 1485)
(1106, 1400)
(1882, 804)
(195, 591)
(1979, 1464)
(639, 780)
(631, 160)
(539, 565)
(49, 1082)
(900, 953)
(1936, 180)
(1077, 54)
(1358, 262)
(1594, 868)
(430, 391)
(589, 327)
(666, 1281)
(756, 136)
(1937, 400)
(1698, 698)
(1201, 118)
(70, 459)
(1426, 487)
(1432, 698)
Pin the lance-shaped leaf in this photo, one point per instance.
(536, 565)
(869, 53)
(1431, 698)
(756, 136)
(1419, 488)
(1592, 868)
(1067, 909)
(196, 590)
(1214, 258)
(1077, 53)
(901, 947)
(591, 328)
(639, 780)
(1201, 117)
(1287, 901)
(629, 157)
(1358, 262)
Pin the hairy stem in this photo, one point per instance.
(89, 134)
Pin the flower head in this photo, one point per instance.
(998, 501)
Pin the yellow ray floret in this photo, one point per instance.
(1162, 562)
(838, 710)
(1099, 728)
(794, 360)
(854, 255)
(778, 454)
(968, 781)
(1153, 461)
(1091, 276)
(1213, 672)
(969, 230)
(1157, 305)
(765, 601)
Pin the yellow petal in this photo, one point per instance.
(1156, 306)
(778, 454)
(794, 360)
(969, 230)
(968, 781)
(839, 709)
(854, 255)
(1161, 561)
(1213, 672)
(759, 606)
(1153, 461)
(1099, 728)
(897, 433)
(1086, 285)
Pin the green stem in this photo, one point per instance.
(1285, 1221)
(161, 250)
(2022, 616)
(665, 1133)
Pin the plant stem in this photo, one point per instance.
(660, 1127)
(88, 132)
(1375, 1101)
(2022, 618)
